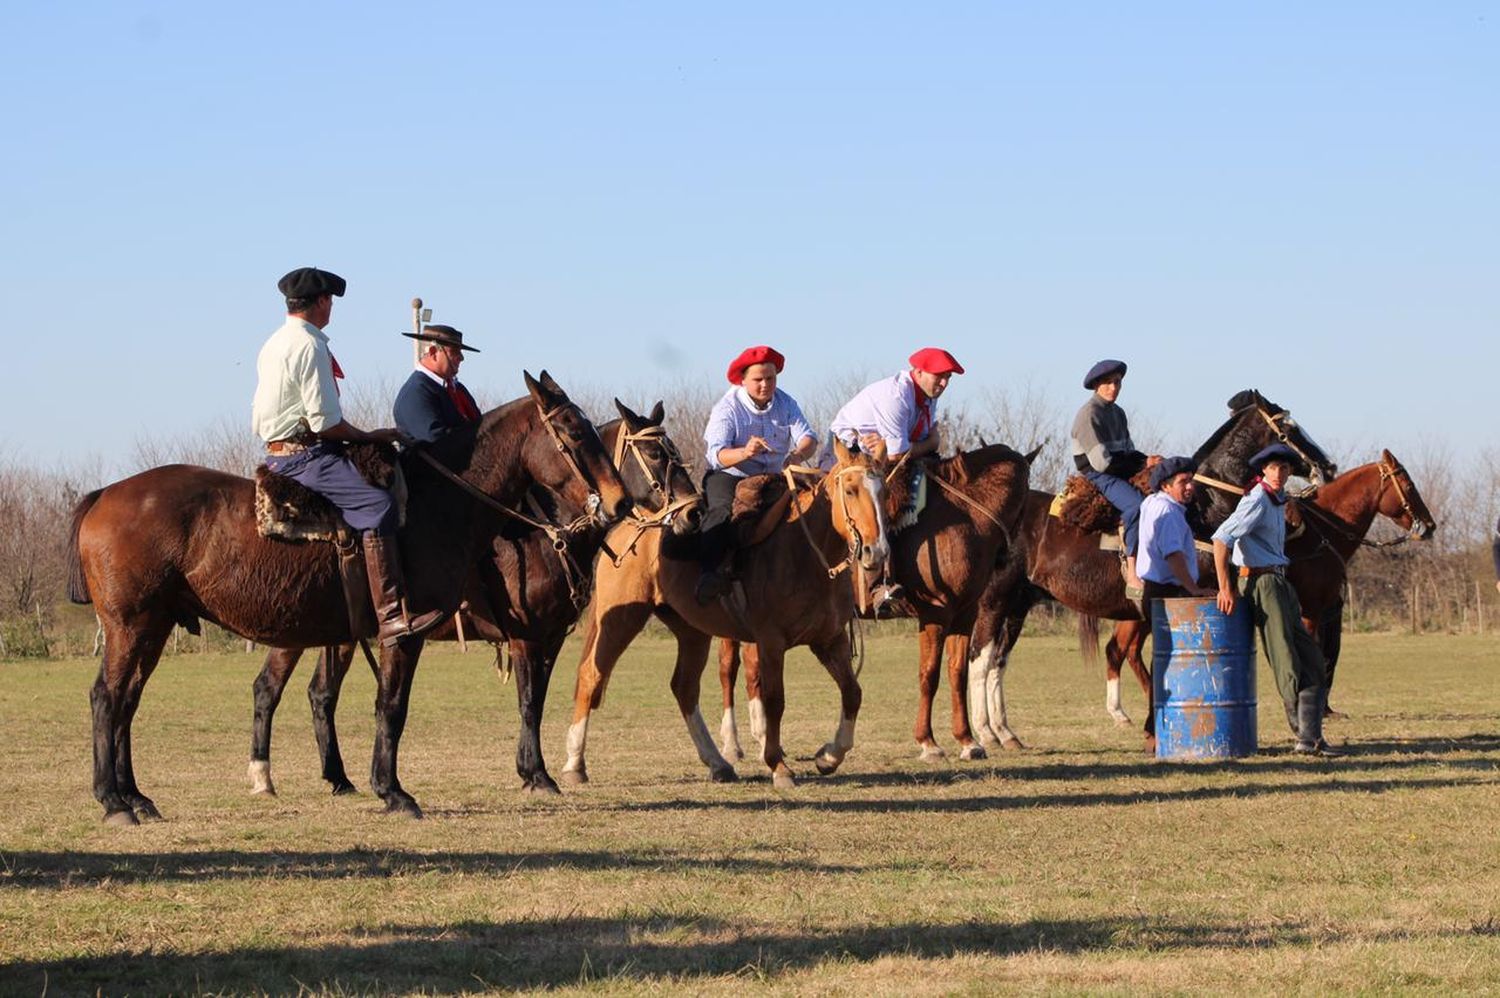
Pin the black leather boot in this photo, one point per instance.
(1310, 724)
(383, 566)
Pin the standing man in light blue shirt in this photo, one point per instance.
(754, 429)
(1257, 531)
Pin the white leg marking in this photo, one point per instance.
(758, 723)
(578, 736)
(708, 752)
(260, 777)
(729, 737)
(979, 707)
(999, 716)
(1112, 701)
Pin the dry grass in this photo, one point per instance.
(1076, 866)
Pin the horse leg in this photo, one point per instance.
(398, 665)
(753, 700)
(1114, 654)
(837, 658)
(687, 678)
(929, 650)
(323, 696)
(773, 698)
(533, 670)
(267, 690)
(729, 668)
(956, 646)
(131, 651)
(139, 803)
(609, 634)
(987, 711)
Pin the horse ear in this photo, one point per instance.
(552, 386)
(658, 413)
(1388, 457)
(1031, 454)
(631, 419)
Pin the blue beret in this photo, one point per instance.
(1275, 452)
(1102, 370)
(1170, 467)
(310, 282)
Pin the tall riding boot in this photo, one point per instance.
(1291, 717)
(1310, 723)
(383, 565)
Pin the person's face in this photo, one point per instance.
(1180, 487)
(443, 360)
(1275, 474)
(932, 385)
(1109, 388)
(322, 311)
(760, 383)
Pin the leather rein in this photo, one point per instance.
(642, 518)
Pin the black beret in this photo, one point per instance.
(1102, 370)
(1275, 452)
(310, 282)
(1170, 467)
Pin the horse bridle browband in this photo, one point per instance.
(647, 519)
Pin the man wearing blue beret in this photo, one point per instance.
(1257, 531)
(1104, 453)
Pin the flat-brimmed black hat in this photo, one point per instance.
(1100, 371)
(446, 335)
(310, 282)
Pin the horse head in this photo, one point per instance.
(1401, 502)
(1254, 422)
(654, 473)
(569, 458)
(856, 489)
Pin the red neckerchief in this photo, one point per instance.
(466, 407)
(1276, 497)
(923, 424)
(338, 372)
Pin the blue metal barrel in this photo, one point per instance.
(1203, 675)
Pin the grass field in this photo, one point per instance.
(1077, 865)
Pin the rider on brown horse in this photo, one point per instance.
(296, 412)
(1104, 453)
(433, 403)
(755, 428)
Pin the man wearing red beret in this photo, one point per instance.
(755, 429)
(899, 412)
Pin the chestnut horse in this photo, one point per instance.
(525, 594)
(177, 544)
(943, 563)
(1065, 563)
(793, 594)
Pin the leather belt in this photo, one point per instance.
(281, 447)
(1250, 573)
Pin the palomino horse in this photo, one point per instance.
(942, 563)
(793, 594)
(1066, 564)
(177, 544)
(526, 594)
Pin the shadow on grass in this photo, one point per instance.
(86, 869)
(661, 950)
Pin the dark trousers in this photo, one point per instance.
(324, 469)
(1124, 497)
(715, 532)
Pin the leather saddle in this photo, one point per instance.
(760, 505)
(290, 511)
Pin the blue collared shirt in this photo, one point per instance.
(1164, 532)
(1257, 530)
(735, 419)
(888, 407)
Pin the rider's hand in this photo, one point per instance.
(390, 435)
(756, 446)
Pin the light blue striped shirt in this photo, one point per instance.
(1164, 532)
(1257, 530)
(735, 419)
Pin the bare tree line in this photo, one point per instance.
(1444, 584)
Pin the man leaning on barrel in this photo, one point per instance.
(296, 412)
(1257, 531)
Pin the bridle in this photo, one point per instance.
(1275, 421)
(1390, 471)
(834, 479)
(641, 517)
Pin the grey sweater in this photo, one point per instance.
(1101, 438)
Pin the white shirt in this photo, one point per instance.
(294, 385)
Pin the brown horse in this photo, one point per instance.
(1067, 564)
(177, 544)
(525, 593)
(793, 594)
(943, 563)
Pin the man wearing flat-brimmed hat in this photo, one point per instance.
(755, 428)
(433, 403)
(296, 412)
(1104, 453)
(1257, 531)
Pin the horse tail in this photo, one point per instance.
(1088, 639)
(78, 586)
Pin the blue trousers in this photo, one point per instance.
(324, 469)
(1124, 497)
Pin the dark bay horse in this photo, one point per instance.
(178, 544)
(794, 594)
(1066, 564)
(524, 593)
(943, 563)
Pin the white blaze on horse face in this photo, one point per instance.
(876, 488)
(578, 736)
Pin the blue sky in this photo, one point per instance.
(1297, 197)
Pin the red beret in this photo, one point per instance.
(750, 357)
(935, 360)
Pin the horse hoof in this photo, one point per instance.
(1122, 719)
(1149, 746)
(827, 763)
(541, 785)
(574, 777)
(148, 812)
(931, 753)
(344, 788)
(783, 781)
(121, 819)
(1012, 744)
(723, 774)
(973, 752)
(406, 808)
(266, 791)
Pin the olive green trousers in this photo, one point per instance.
(1295, 658)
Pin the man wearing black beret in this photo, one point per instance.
(296, 412)
(432, 403)
(1104, 453)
